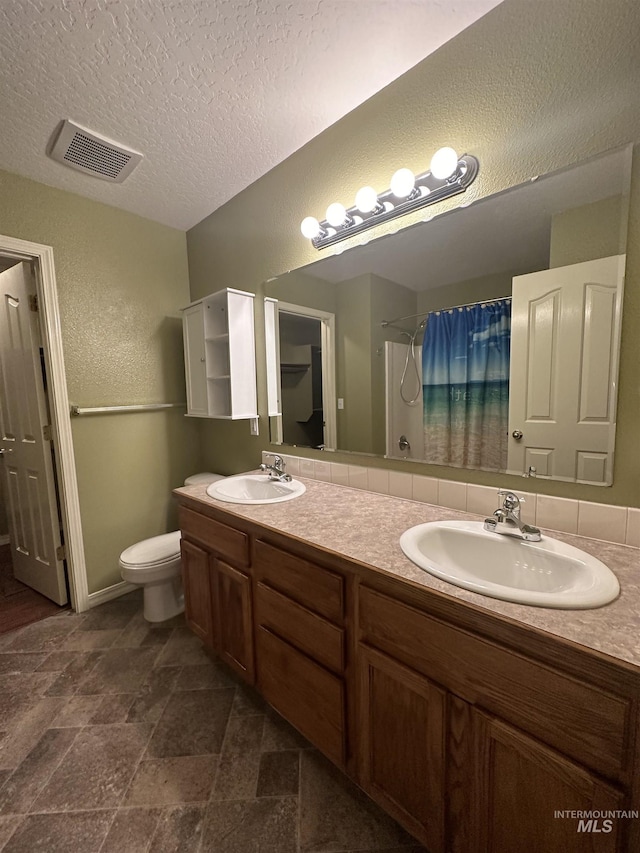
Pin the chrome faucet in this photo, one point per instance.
(276, 471)
(506, 519)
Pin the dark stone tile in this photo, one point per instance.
(169, 781)
(74, 674)
(207, 676)
(77, 711)
(96, 770)
(4, 774)
(111, 709)
(237, 777)
(119, 671)
(182, 649)
(86, 641)
(14, 706)
(178, 830)
(279, 735)
(21, 661)
(131, 831)
(27, 729)
(133, 635)
(279, 773)
(251, 826)
(193, 723)
(43, 636)
(57, 661)
(244, 734)
(110, 616)
(32, 684)
(413, 848)
(157, 637)
(152, 699)
(24, 785)
(247, 701)
(336, 815)
(82, 832)
(7, 828)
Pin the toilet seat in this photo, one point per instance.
(157, 551)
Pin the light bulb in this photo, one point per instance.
(310, 227)
(402, 183)
(366, 199)
(444, 163)
(336, 214)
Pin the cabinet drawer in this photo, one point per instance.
(580, 719)
(309, 632)
(318, 589)
(225, 541)
(311, 698)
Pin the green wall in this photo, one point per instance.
(529, 88)
(588, 232)
(121, 282)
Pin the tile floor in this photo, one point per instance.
(117, 736)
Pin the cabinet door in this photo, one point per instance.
(402, 744)
(235, 627)
(198, 602)
(520, 786)
(194, 360)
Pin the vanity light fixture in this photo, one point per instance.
(448, 175)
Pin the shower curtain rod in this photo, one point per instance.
(386, 323)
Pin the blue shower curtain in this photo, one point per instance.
(465, 374)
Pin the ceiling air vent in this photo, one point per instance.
(93, 154)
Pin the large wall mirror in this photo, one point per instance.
(487, 337)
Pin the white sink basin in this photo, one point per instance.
(549, 573)
(254, 489)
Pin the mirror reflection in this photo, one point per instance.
(486, 338)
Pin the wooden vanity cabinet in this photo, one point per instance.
(471, 731)
(402, 744)
(300, 645)
(217, 587)
(518, 784)
(474, 747)
(197, 576)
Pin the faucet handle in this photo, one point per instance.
(511, 500)
(507, 493)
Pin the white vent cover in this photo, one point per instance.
(93, 154)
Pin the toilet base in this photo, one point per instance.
(163, 601)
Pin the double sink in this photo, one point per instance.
(548, 573)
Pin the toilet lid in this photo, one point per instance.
(154, 551)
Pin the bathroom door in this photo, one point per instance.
(565, 341)
(25, 445)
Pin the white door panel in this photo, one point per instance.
(564, 359)
(31, 494)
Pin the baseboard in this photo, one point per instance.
(4, 540)
(110, 592)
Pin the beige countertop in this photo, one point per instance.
(366, 526)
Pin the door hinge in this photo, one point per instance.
(33, 302)
(61, 553)
(46, 433)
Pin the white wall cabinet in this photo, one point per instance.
(220, 356)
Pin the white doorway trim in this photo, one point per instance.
(59, 404)
(327, 340)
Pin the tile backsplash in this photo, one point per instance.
(596, 521)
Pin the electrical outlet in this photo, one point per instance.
(341, 402)
(253, 426)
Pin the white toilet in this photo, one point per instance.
(155, 564)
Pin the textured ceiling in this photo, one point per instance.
(214, 94)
